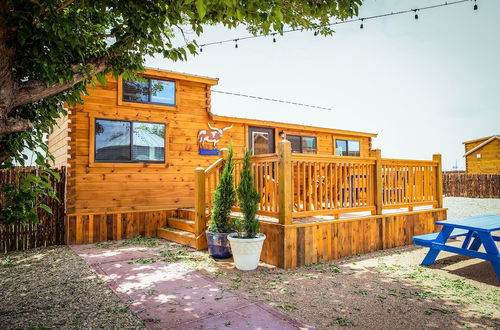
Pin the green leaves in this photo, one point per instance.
(200, 7)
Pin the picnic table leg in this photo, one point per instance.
(465, 244)
(431, 256)
(491, 249)
(476, 244)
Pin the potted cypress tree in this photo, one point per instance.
(223, 201)
(246, 243)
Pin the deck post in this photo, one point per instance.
(199, 200)
(285, 182)
(224, 152)
(439, 179)
(377, 182)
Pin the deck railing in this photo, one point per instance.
(331, 185)
(301, 185)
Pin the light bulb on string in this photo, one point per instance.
(315, 33)
(235, 43)
(201, 49)
(475, 5)
(416, 15)
(274, 37)
(361, 26)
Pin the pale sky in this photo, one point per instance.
(424, 86)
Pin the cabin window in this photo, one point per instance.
(153, 91)
(303, 144)
(347, 148)
(129, 141)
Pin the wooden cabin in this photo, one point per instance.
(482, 156)
(143, 158)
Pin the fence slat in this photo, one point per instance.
(461, 184)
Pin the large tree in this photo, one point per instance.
(51, 49)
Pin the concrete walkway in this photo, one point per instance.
(174, 295)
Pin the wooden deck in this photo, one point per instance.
(316, 208)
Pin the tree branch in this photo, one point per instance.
(14, 125)
(34, 90)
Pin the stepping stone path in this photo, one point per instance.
(176, 296)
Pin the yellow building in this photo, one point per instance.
(482, 156)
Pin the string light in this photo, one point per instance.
(475, 5)
(274, 37)
(447, 3)
(235, 43)
(272, 100)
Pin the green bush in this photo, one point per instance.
(248, 200)
(224, 199)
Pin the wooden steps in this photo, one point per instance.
(178, 236)
(182, 224)
(180, 229)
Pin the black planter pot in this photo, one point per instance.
(218, 245)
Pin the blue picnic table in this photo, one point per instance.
(479, 229)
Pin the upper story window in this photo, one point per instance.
(303, 144)
(121, 141)
(347, 148)
(153, 91)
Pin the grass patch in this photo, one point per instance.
(287, 307)
(341, 321)
(173, 255)
(140, 241)
(142, 261)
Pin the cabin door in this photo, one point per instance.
(261, 140)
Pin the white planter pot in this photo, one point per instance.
(246, 251)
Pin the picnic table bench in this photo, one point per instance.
(479, 228)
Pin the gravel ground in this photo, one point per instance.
(460, 207)
(52, 287)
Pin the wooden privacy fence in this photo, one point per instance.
(49, 230)
(302, 185)
(471, 185)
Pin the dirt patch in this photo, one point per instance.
(53, 288)
(383, 290)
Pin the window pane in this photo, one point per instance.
(309, 145)
(149, 142)
(340, 147)
(112, 140)
(135, 91)
(162, 91)
(260, 143)
(295, 143)
(353, 148)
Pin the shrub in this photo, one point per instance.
(224, 199)
(248, 200)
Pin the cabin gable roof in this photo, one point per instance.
(481, 145)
